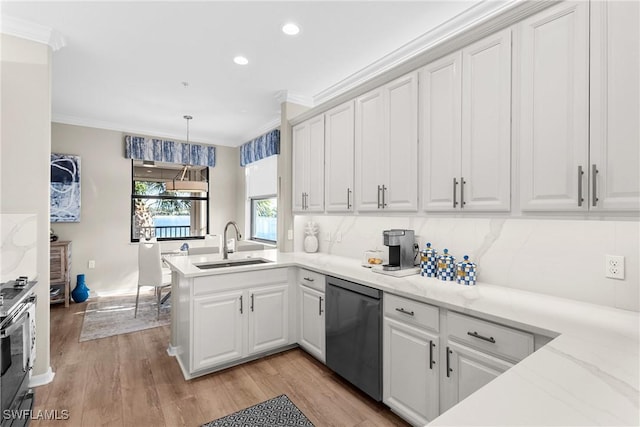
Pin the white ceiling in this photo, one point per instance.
(123, 63)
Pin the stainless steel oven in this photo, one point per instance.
(17, 344)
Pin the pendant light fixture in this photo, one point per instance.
(179, 183)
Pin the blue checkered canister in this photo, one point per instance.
(446, 266)
(429, 261)
(466, 272)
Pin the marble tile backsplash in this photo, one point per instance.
(564, 258)
(18, 241)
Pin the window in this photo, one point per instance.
(264, 219)
(158, 210)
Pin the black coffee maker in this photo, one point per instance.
(401, 254)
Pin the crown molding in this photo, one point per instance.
(456, 25)
(275, 123)
(510, 13)
(31, 31)
(120, 127)
(295, 98)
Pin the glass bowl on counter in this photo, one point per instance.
(373, 257)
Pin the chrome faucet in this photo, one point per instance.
(225, 247)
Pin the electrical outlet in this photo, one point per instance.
(327, 236)
(614, 266)
(92, 264)
(290, 234)
(338, 237)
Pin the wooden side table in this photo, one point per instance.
(60, 271)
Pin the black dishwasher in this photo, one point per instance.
(354, 334)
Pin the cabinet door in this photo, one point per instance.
(410, 379)
(339, 150)
(615, 105)
(371, 161)
(299, 185)
(554, 108)
(469, 370)
(315, 160)
(268, 318)
(486, 124)
(214, 343)
(440, 130)
(311, 321)
(401, 102)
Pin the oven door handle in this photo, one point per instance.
(7, 331)
(16, 321)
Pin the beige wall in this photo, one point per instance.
(103, 231)
(24, 159)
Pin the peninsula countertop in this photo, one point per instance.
(588, 375)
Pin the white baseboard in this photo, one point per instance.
(42, 379)
(172, 351)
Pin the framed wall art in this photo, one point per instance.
(65, 188)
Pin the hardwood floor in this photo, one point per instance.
(129, 380)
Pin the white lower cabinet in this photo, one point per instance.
(468, 371)
(410, 365)
(232, 324)
(268, 318)
(410, 378)
(216, 345)
(311, 305)
(478, 351)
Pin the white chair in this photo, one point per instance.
(150, 271)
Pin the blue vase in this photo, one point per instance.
(81, 292)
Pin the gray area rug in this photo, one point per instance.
(109, 316)
(279, 411)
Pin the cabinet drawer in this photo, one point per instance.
(220, 282)
(497, 339)
(311, 279)
(410, 311)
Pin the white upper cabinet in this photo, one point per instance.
(465, 127)
(440, 130)
(486, 124)
(308, 165)
(614, 182)
(370, 162)
(554, 108)
(339, 151)
(386, 140)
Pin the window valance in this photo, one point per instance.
(261, 147)
(158, 150)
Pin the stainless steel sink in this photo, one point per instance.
(233, 263)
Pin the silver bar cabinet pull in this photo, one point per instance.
(431, 361)
(402, 310)
(251, 302)
(594, 183)
(348, 198)
(462, 183)
(384, 190)
(240, 304)
(477, 335)
(449, 370)
(379, 188)
(319, 306)
(455, 191)
(309, 279)
(580, 173)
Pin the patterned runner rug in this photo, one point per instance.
(109, 316)
(276, 412)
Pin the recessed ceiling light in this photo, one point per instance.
(240, 60)
(290, 29)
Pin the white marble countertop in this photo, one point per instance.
(588, 375)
